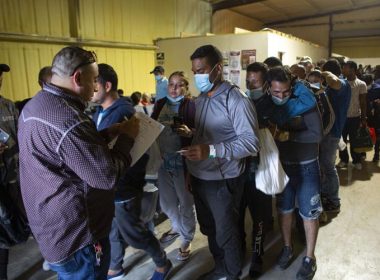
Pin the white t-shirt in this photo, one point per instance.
(358, 87)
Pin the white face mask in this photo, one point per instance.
(175, 99)
(279, 101)
(255, 93)
(202, 81)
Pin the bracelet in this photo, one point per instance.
(212, 153)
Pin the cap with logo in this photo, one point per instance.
(158, 69)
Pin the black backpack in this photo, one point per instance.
(326, 110)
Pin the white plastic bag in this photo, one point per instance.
(270, 177)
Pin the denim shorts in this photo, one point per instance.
(305, 186)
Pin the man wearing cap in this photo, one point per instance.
(9, 184)
(161, 82)
(67, 172)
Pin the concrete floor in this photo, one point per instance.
(348, 247)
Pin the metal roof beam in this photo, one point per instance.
(322, 14)
(231, 4)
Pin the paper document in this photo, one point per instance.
(149, 129)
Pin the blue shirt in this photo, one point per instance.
(340, 101)
(161, 88)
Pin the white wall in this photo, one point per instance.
(266, 43)
(178, 51)
(293, 47)
(367, 61)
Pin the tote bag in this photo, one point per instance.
(270, 177)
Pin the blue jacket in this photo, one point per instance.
(340, 101)
(300, 101)
(132, 182)
(114, 114)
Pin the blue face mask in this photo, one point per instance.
(157, 77)
(176, 99)
(255, 93)
(202, 81)
(279, 101)
(317, 85)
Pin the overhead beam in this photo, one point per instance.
(276, 9)
(335, 34)
(227, 4)
(322, 14)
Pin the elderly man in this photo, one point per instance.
(67, 172)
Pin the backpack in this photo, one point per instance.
(326, 111)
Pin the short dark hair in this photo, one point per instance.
(332, 65)
(279, 74)
(316, 73)
(210, 52)
(70, 59)
(259, 67)
(44, 73)
(352, 65)
(273, 61)
(368, 79)
(136, 97)
(107, 74)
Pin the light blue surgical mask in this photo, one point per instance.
(278, 101)
(317, 85)
(202, 81)
(175, 99)
(255, 93)
(157, 77)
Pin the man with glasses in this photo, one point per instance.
(67, 172)
(225, 134)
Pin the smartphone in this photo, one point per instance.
(177, 121)
(3, 136)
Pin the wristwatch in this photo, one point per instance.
(212, 153)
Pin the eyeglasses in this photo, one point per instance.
(90, 57)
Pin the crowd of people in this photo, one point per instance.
(83, 199)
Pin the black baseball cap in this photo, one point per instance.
(4, 68)
(158, 69)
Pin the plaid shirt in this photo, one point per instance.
(67, 173)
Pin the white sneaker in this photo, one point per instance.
(358, 166)
(342, 164)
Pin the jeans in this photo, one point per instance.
(127, 227)
(83, 264)
(377, 144)
(217, 204)
(350, 129)
(305, 186)
(330, 178)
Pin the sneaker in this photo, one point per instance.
(342, 164)
(45, 266)
(163, 275)
(307, 269)
(116, 276)
(256, 268)
(285, 257)
(358, 166)
(330, 207)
